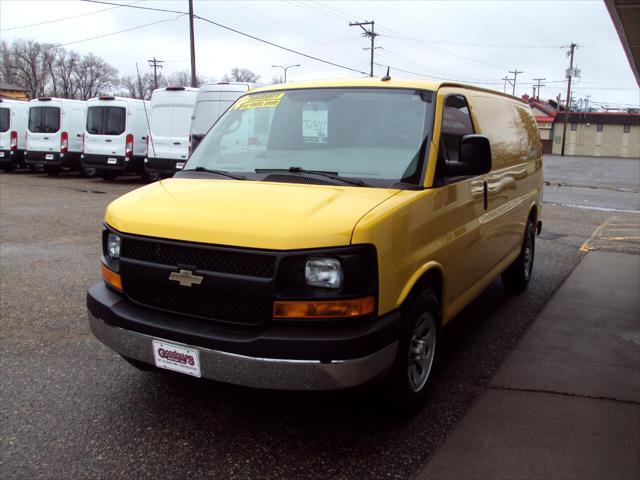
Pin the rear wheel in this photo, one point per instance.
(108, 175)
(417, 353)
(8, 168)
(88, 172)
(517, 276)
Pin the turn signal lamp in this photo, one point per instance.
(324, 309)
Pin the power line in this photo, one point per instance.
(55, 20)
(248, 35)
(121, 31)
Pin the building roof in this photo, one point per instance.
(626, 18)
(609, 118)
(8, 86)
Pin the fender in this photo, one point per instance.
(417, 275)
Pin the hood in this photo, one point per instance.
(279, 216)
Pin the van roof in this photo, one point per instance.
(109, 98)
(43, 100)
(378, 83)
(227, 86)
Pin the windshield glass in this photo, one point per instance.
(4, 119)
(44, 119)
(106, 120)
(364, 133)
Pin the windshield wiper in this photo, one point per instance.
(217, 172)
(320, 173)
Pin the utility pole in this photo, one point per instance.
(156, 65)
(586, 101)
(285, 68)
(567, 110)
(504, 87)
(367, 33)
(515, 76)
(539, 85)
(194, 79)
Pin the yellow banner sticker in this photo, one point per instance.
(259, 100)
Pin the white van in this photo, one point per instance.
(13, 133)
(115, 136)
(213, 100)
(171, 111)
(54, 134)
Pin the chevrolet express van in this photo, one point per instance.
(115, 136)
(332, 253)
(54, 134)
(212, 101)
(13, 133)
(170, 120)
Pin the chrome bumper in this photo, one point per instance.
(256, 372)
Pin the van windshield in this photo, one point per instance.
(4, 119)
(44, 119)
(106, 120)
(375, 134)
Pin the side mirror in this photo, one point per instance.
(475, 154)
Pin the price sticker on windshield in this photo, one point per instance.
(259, 100)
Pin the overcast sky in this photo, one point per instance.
(477, 42)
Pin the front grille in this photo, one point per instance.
(191, 301)
(202, 258)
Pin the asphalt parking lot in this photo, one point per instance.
(71, 408)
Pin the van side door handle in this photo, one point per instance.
(486, 194)
(176, 143)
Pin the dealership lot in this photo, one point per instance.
(71, 408)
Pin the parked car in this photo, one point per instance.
(334, 253)
(54, 134)
(115, 136)
(212, 101)
(170, 120)
(13, 133)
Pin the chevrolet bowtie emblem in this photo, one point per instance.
(185, 278)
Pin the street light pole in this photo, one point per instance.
(285, 68)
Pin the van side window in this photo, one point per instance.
(456, 123)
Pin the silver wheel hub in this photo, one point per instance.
(421, 351)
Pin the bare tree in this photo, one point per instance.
(94, 76)
(183, 79)
(139, 86)
(241, 75)
(66, 68)
(25, 64)
(277, 79)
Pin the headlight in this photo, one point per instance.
(112, 250)
(113, 245)
(323, 272)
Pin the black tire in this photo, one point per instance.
(145, 367)
(8, 168)
(52, 171)
(88, 172)
(516, 277)
(33, 169)
(407, 391)
(108, 176)
(150, 176)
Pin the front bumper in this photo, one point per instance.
(57, 159)
(122, 163)
(166, 167)
(290, 357)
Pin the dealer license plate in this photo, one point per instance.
(177, 358)
(180, 165)
(48, 156)
(112, 160)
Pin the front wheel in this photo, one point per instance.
(88, 172)
(108, 175)
(516, 277)
(150, 176)
(417, 354)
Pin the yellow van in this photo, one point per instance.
(322, 234)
